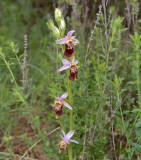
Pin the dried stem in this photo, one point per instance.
(25, 68)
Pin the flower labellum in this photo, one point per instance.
(69, 49)
(58, 106)
(73, 72)
(63, 145)
(69, 42)
(73, 68)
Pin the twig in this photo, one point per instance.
(38, 142)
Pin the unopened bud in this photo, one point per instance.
(58, 15)
(55, 30)
(62, 26)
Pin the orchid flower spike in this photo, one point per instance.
(69, 42)
(73, 68)
(63, 145)
(58, 106)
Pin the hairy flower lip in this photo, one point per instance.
(69, 50)
(63, 146)
(58, 109)
(73, 76)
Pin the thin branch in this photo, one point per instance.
(38, 142)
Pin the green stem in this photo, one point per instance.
(61, 124)
(121, 111)
(58, 80)
(71, 103)
(136, 118)
(71, 114)
(122, 117)
(138, 80)
(12, 75)
(19, 61)
(70, 152)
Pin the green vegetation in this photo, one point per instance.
(106, 96)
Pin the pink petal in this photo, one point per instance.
(57, 98)
(69, 35)
(74, 141)
(61, 41)
(62, 137)
(75, 41)
(74, 37)
(63, 132)
(70, 134)
(66, 66)
(66, 104)
(66, 140)
(65, 61)
(64, 95)
(73, 59)
(76, 62)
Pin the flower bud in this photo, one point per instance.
(62, 24)
(58, 15)
(55, 30)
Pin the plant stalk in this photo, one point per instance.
(71, 114)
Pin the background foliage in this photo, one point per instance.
(107, 95)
